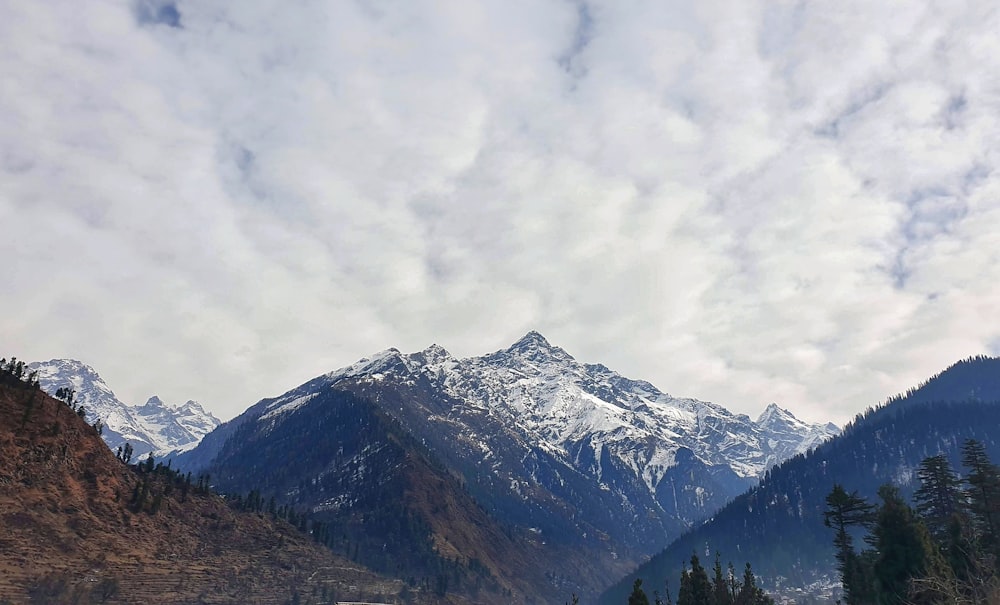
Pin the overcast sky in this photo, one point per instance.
(740, 201)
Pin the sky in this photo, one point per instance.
(740, 201)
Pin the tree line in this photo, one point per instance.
(943, 549)
(158, 480)
(724, 587)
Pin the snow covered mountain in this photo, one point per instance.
(575, 452)
(178, 427)
(787, 436)
(155, 426)
(567, 407)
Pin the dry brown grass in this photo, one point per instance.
(67, 534)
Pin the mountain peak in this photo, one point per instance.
(531, 339)
(772, 413)
(155, 401)
(65, 364)
(191, 404)
(55, 369)
(534, 346)
(435, 353)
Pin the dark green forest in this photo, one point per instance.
(778, 525)
(724, 587)
(943, 549)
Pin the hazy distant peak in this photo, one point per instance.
(155, 425)
(155, 402)
(192, 405)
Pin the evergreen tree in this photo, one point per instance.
(721, 585)
(638, 597)
(903, 545)
(939, 496)
(844, 511)
(983, 493)
(941, 504)
(684, 594)
(749, 593)
(695, 586)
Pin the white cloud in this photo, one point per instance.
(740, 201)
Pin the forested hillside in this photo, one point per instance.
(778, 525)
(379, 498)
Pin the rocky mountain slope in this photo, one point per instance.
(390, 504)
(573, 456)
(778, 525)
(72, 533)
(154, 426)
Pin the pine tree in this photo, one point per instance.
(684, 594)
(843, 511)
(941, 504)
(698, 589)
(903, 545)
(939, 497)
(984, 495)
(720, 585)
(638, 597)
(749, 593)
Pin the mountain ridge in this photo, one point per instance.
(578, 456)
(155, 426)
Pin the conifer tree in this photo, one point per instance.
(984, 495)
(939, 497)
(698, 589)
(720, 585)
(903, 545)
(843, 511)
(684, 593)
(941, 504)
(749, 593)
(638, 597)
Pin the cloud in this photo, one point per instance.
(740, 201)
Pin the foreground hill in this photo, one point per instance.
(778, 525)
(71, 530)
(549, 476)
